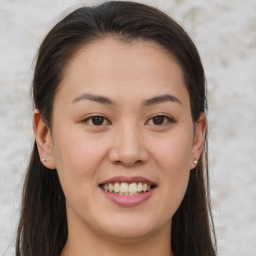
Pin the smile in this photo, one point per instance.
(128, 191)
(125, 189)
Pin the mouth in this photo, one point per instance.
(128, 186)
(126, 189)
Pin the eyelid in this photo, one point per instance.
(169, 118)
(88, 118)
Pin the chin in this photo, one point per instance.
(131, 229)
(129, 236)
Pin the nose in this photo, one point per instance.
(128, 148)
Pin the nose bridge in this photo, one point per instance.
(129, 137)
(128, 147)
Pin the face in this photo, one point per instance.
(122, 139)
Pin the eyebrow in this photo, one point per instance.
(92, 97)
(161, 99)
(148, 102)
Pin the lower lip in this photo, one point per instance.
(129, 200)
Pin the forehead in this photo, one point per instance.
(111, 66)
(145, 55)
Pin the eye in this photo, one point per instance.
(96, 120)
(160, 120)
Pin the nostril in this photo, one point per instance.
(133, 163)
(118, 162)
(128, 150)
(128, 163)
(138, 162)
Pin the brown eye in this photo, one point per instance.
(98, 120)
(158, 120)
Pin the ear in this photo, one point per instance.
(44, 140)
(199, 137)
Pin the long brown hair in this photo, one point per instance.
(43, 229)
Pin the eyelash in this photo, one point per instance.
(101, 119)
(167, 120)
(91, 118)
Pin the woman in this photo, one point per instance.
(119, 165)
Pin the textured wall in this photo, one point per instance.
(225, 33)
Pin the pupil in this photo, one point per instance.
(97, 120)
(158, 120)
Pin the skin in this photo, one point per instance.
(128, 143)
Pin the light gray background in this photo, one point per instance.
(225, 34)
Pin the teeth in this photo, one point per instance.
(125, 189)
(116, 187)
(133, 188)
(144, 187)
(110, 187)
(139, 187)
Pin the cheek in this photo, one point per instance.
(173, 151)
(174, 164)
(172, 156)
(77, 159)
(77, 152)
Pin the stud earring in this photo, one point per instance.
(195, 162)
(44, 160)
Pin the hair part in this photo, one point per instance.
(43, 229)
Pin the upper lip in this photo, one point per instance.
(129, 180)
